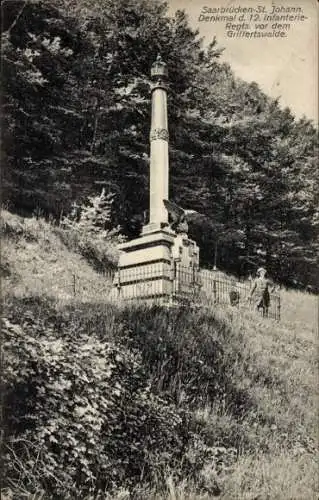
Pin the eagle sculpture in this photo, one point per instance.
(178, 216)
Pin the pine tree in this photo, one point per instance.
(95, 219)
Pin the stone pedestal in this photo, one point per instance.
(158, 266)
(155, 227)
(145, 267)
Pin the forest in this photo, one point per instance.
(76, 119)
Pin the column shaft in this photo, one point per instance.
(159, 164)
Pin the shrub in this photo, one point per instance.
(80, 414)
(90, 229)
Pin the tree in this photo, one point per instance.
(77, 114)
(96, 219)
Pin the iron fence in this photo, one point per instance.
(65, 287)
(175, 283)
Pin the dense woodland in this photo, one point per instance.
(76, 116)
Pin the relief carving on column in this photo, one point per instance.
(159, 133)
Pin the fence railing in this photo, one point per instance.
(71, 285)
(163, 282)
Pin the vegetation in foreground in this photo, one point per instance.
(145, 402)
(101, 401)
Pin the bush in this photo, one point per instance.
(79, 408)
(91, 230)
(86, 409)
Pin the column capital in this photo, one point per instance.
(159, 69)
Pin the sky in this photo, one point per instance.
(284, 67)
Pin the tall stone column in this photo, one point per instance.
(145, 263)
(145, 267)
(159, 163)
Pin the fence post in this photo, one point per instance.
(278, 308)
(215, 291)
(172, 278)
(196, 282)
(118, 285)
(176, 284)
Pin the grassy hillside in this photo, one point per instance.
(103, 401)
(38, 258)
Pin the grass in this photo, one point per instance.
(249, 383)
(36, 261)
(262, 477)
(265, 476)
(300, 313)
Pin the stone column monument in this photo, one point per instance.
(158, 217)
(144, 267)
(147, 265)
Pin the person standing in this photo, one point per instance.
(260, 291)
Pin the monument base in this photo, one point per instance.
(159, 266)
(145, 266)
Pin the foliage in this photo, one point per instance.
(98, 397)
(90, 230)
(96, 218)
(84, 418)
(76, 107)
